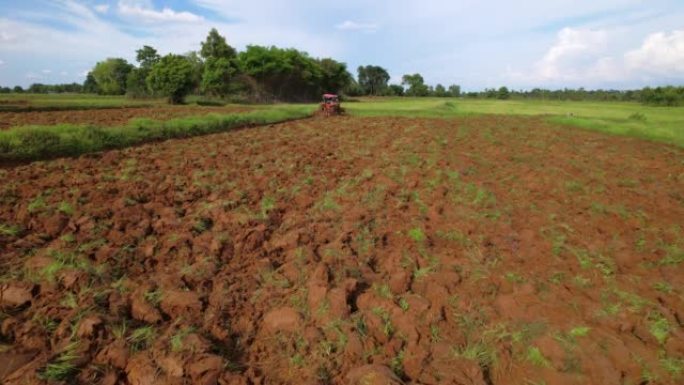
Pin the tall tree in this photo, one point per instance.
(455, 90)
(217, 75)
(90, 85)
(373, 79)
(440, 91)
(335, 75)
(171, 77)
(503, 93)
(220, 64)
(282, 74)
(110, 76)
(416, 85)
(147, 56)
(215, 46)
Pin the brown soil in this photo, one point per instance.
(106, 117)
(483, 250)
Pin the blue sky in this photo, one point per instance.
(473, 43)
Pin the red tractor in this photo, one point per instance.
(331, 105)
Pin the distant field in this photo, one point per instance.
(665, 124)
(70, 101)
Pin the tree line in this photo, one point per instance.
(264, 74)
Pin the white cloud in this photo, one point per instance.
(101, 8)
(661, 53)
(565, 58)
(582, 57)
(149, 15)
(46, 72)
(349, 25)
(2, 62)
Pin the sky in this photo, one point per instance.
(618, 44)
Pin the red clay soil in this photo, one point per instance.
(483, 250)
(105, 117)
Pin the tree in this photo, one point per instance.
(281, 74)
(503, 93)
(147, 57)
(17, 90)
(373, 79)
(215, 46)
(440, 91)
(455, 90)
(90, 85)
(416, 85)
(395, 90)
(111, 75)
(353, 88)
(171, 77)
(197, 68)
(217, 76)
(220, 64)
(335, 76)
(136, 81)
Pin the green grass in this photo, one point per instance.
(63, 366)
(31, 143)
(664, 124)
(52, 102)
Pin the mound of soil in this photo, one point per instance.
(106, 117)
(481, 250)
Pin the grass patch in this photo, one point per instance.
(31, 143)
(63, 367)
(661, 124)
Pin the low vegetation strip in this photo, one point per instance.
(31, 143)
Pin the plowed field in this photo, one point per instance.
(480, 250)
(106, 117)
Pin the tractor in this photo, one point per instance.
(331, 105)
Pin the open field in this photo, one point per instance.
(473, 250)
(18, 102)
(664, 124)
(108, 117)
(30, 143)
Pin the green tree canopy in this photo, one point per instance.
(215, 46)
(440, 91)
(147, 56)
(172, 77)
(284, 74)
(503, 93)
(416, 85)
(373, 79)
(455, 90)
(110, 76)
(217, 76)
(395, 90)
(335, 75)
(90, 85)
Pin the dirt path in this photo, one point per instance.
(106, 117)
(486, 250)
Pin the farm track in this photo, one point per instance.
(480, 250)
(106, 117)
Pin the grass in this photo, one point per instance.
(63, 367)
(55, 102)
(536, 358)
(663, 124)
(9, 230)
(141, 338)
(31, 143)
